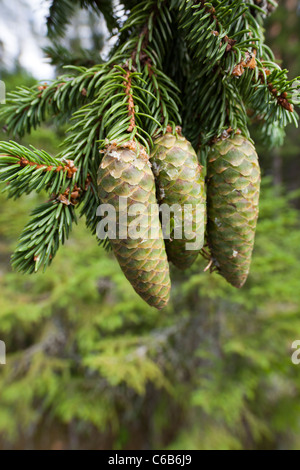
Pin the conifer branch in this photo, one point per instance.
(242, 72)
(26, 108)
(217, 32)
(225, 73)
(152, 38)
(134, 97)
(62, 11)
(25, 170)
(62, 57)
(108, 118)
(49, 227)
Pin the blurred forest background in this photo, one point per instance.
(90, 366)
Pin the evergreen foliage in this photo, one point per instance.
(61, 12)
(202, 64)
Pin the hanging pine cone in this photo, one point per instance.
(180, 180)
(233, 185)
(125, 171)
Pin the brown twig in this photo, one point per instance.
(281, 98)
(67, 198)
(127, 79)
(131, 111)
(69, 167)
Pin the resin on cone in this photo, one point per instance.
(180, 182)
(233, 186)
(125, 172)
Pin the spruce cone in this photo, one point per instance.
(180, 180)
(125, 171)
(233, 185)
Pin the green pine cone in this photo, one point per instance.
(233, 186)
(125, 171)
(180, 181)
